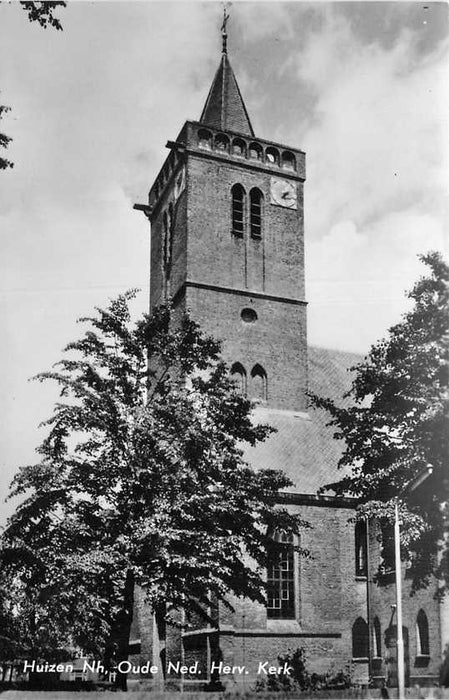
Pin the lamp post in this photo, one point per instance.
(398, 582)
(398, 577)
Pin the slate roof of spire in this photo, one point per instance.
(224, 108)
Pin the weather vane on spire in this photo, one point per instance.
(224, 33)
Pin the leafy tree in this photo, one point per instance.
(142, 481)
(44, 14)
(10, 646)
(398, 424)
(28, 627)
(4, 141)
(301, 679)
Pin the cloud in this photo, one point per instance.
(377, 159)
(378, 138)
(94, 105)
(358, 278)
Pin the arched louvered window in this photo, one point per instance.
(360, 640)
(288, 161)
(272, 156)
(238, 210)
(360, 549)
(258, 383)
(255, 212)
(238, 374)
(221, 143)
(204, 138)
(377, 639)
(239, 147)
(281, 577)
(255, 151)
(422, 634)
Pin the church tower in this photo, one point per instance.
(227, 243)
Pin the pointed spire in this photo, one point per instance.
(224, 108)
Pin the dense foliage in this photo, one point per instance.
(141, 480)
(399, 423)
(295, 676)
(43, 12)
(4, 141)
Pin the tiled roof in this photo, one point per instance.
(224, 108)
(303, 446)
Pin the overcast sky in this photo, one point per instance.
(361, 87)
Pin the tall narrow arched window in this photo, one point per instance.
(166, 223)
(165, 240)
(281, 577)
(360, 549)
(377, 639)
(238, 374)
(422, 634)
(387, 547)
(258, 383)
(255, 212)
(360, 640)
(170, 238)
(238, 210)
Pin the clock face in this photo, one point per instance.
(283, 193)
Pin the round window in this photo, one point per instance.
(248, 316)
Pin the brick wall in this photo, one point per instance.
(275, 264)
(329, 600)
(277, 340)
(216, 275)
(383, 597)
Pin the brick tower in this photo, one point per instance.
(227, 243)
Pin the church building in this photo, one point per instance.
(227, 244)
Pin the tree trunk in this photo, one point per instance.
(158, 647)
(123, 629)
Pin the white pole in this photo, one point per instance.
(398, 575)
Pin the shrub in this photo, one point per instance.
(301, 678)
